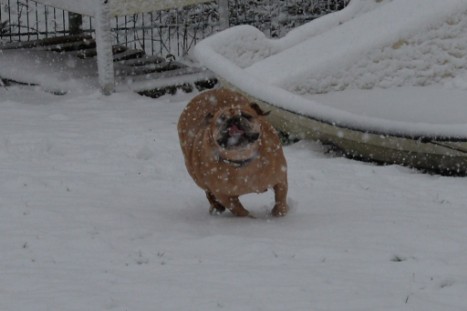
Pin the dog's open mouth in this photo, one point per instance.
(236, 132)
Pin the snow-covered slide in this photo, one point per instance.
(406, 47)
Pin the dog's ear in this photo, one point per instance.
(258, 110)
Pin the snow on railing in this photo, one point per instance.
(118, 7)
(172, 31)
(103, 11)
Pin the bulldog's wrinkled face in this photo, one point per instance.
(236, 128)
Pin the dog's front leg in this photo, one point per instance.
(280, 193)
(216, 207)
(232, 203)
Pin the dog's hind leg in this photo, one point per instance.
(232, 203)
(280, 193)
(216, 207)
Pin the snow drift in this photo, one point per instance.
(369, 44)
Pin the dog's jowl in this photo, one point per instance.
(231, 149)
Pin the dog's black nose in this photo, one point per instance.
(234, 121)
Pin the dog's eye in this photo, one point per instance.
(221, 119)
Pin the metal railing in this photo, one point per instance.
(173, 31)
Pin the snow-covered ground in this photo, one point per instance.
(97, 212)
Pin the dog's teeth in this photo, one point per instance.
(233, 140)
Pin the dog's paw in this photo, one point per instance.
(240, 212)
(279, 211)
(217, 210)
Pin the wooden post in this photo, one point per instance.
(223, 9)
(105, 64)
(76, 23)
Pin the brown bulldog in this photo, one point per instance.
(230, 149)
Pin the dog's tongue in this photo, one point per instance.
(235, 130)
